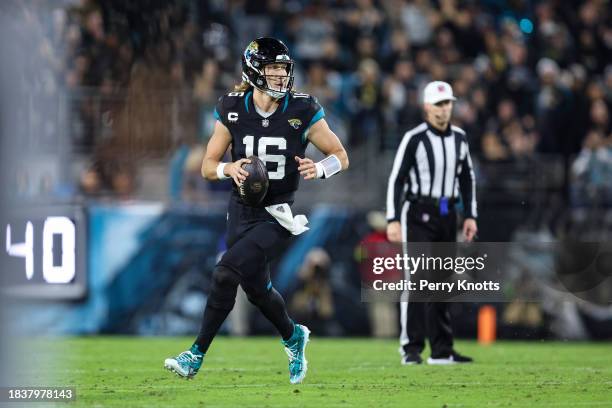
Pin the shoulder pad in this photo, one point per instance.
(300, 97)
(231, 99)
(302, 100)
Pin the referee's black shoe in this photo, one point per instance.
(412, 358)
(453, 358)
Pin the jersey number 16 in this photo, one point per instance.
(264, 142)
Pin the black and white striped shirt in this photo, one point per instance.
(432, 164)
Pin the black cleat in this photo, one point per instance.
(412, 358)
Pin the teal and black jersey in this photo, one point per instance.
(276, 140)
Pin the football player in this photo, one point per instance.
(266, 118)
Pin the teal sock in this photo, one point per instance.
(295, 335)
(196, 350)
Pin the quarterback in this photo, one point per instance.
(262, 117)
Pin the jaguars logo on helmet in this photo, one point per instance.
(261, 52)
(252, 48)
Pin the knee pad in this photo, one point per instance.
(223, 290)
(224, 277)
(257, 296)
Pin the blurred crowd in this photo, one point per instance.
(531, 77)
(136, 82)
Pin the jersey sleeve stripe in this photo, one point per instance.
(246, 101)
(216, 114)
(317, 116)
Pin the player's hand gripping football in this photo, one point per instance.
(236, 172)
(306, 167)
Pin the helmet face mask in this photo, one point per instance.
(266, 65)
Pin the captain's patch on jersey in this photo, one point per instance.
(295, 123)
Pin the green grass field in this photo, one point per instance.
(252, 372)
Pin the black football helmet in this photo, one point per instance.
(261, 52)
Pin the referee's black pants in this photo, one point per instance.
(421, 319)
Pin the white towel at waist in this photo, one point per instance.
(282, 212)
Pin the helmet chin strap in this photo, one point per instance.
(270, 92)
(275, 94)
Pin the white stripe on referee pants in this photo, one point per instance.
(405, 295)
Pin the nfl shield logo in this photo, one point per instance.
(265, 123)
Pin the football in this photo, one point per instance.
(254, 188)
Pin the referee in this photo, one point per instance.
(431, 168)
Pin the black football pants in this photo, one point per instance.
(421, 319)
(254, 238)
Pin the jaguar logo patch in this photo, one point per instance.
(295, 123)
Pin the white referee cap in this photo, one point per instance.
(437, 91)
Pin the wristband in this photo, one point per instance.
(328, 166)
(220, 174)
(320, 171)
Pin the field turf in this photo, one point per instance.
(252, 372)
